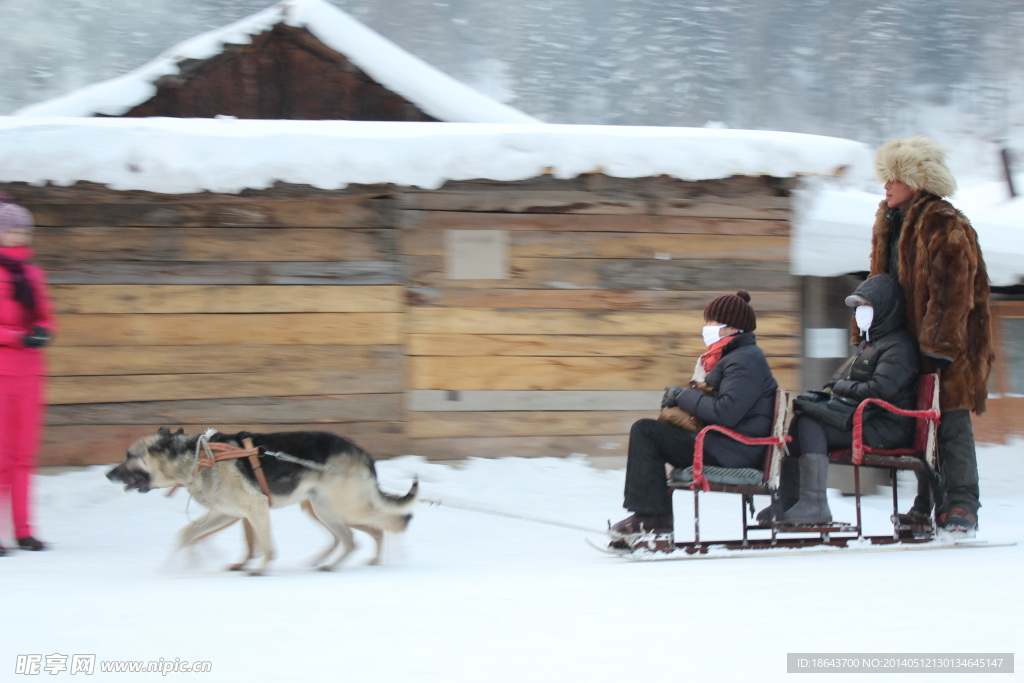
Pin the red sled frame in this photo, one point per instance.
(923, 454)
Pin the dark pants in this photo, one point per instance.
(959, 462)
(652, 444)
(809, 436)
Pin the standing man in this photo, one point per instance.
(932, 251)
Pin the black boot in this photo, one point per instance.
(812, 508)
(789, 491)
(31, 543)
(638, 523)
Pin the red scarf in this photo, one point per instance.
(710, 358)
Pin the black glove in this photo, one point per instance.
(37, 338)
(940, 362)
(843, 387)
(670, 397)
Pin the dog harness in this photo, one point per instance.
(216, 452)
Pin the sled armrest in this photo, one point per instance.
(858, 422)
(698, 450)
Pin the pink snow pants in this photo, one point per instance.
(21, 418)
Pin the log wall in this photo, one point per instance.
(274, 311)
(601, 309)
(298, 308)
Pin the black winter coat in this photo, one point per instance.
(743, 400)
(886, 366)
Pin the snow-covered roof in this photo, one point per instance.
(172, 155)
(434, 92)
(832, 230)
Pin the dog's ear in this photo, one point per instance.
(179, 432)
(163, 431)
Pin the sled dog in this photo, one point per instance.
(338, 480)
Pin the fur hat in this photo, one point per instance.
(919, 162)
(733, 310)
(12, 215)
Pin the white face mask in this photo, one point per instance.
(711, 334)
(864, 316)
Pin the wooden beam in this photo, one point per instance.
(263, 273)
(425, 400)
(618, 245)
(457, 448)
(221, 245)
(74, 361)
(125, 388)
(176, 329)
(530, 373)
(576, 345)
(638, 223)
(324, 211)
(467, 424)
(145, 298)
(378, 408)
(616, 274)
(629, 300)
(571, 322)
(106, 444)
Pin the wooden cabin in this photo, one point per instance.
(484, 318)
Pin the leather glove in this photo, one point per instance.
(670, 397)
(37, 338)
(940, 362)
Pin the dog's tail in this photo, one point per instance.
(395, 504)
(394, 511)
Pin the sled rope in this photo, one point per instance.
(472, 507)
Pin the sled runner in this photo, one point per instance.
(750, 482)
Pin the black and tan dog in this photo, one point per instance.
(339, 481)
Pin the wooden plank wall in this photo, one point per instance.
(602, 309)
(277, 310)
(298, 308)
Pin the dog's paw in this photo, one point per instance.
(237, 567)
(255, 572)
(325, 568)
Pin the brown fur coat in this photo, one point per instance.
(943, 276)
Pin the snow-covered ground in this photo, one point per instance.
(469, 596)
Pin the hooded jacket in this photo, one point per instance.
(743, 400)
(16, 321)
(886, 366)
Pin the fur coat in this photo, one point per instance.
(946, 284)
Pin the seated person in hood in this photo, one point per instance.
(740, 395)
(886, 366)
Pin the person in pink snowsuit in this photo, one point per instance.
(26, 325)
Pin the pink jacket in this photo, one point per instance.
(15, 357)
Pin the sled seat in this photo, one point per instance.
(729, 476)
(921, 455)
(746, 481)
(917, 456)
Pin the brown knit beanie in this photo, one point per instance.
(733, 310)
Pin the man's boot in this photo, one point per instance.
(812, 508)
(789, 491)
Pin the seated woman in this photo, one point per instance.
(886, 366)
(742, 398)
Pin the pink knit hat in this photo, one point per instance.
(13, 215)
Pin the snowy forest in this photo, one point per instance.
(864, 69)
